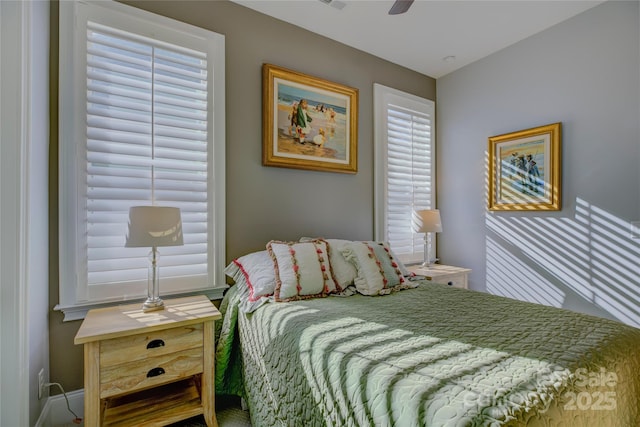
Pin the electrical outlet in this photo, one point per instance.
(41, 383)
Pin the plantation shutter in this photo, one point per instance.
(146, 116)
(409, 186)
(405, 175)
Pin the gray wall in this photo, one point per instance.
(263, 203)
(585, 73)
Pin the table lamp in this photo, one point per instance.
(427, 222)
(154, 226)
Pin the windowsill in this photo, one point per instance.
(78, 311)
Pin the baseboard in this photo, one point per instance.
(55, 412)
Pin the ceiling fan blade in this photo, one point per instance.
(400, 6)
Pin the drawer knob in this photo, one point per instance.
(155, 372)
(155, 344)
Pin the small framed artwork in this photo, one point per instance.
(308, 122)
(524, 170)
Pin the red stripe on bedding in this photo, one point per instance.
(252, 297)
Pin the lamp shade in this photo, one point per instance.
(152, 226)
(428, 221)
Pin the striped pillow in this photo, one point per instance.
(343, 271)
(378, 272)
(302, 270)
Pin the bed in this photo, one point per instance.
(423, 354)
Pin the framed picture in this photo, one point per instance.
(308, 122)
(524, 170)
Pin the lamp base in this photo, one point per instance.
(429, 264)
(429, 260)
(153, 302)
(152, 305)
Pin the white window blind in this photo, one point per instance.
(404, 168)
(145, 134)
(146, 145)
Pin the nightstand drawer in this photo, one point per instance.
(142, 346)
(456, 281)
(141, 374)
(446, 274)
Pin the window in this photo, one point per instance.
(141, 123)
(404, 168)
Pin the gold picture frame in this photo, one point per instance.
(308, 122)
(525, 170)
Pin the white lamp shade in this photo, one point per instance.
(428, 221)
(151, 226)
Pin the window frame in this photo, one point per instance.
(383, 96)
(72, 125)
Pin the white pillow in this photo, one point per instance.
(302, 270)
(344, 272)
(378, 272)
(255, 278)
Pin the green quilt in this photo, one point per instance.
(430, 356)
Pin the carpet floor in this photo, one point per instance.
(228, 412)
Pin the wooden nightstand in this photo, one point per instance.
(149, 369)
(453, 276)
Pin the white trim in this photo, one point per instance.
(67, 155)
(14, 146)
(379, 161)
(55, 412)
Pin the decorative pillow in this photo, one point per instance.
(378, 270)
(255, 278)
(343, 271)
(389, 260)
(302, 270)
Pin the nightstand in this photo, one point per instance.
(149, 369)
(453, 276)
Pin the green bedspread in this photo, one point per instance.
(430, 356)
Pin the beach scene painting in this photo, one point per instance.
(524, 169)
(309, 123)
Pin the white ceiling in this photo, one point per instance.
(435, 37)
